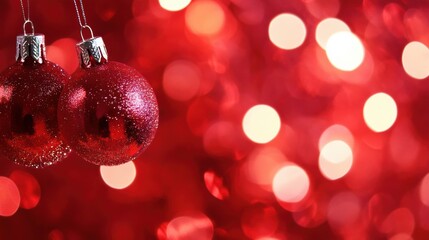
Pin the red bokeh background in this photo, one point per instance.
(191, 178)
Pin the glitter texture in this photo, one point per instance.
(108, 113)
(28, 113)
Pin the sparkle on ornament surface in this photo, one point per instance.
(9, 197)
(190, 227)
(415, 60)
(181, 80)
(335, 159)
(205, 17)
(287, 31)
(345, 51)
(424, 190)
(261, 123)
(291, 184)
(327, 27)
(120, 176)
(174, 5)
(380, 112)
(336, 132)
(28, 187)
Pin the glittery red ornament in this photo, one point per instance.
(29, 93)
(108, 112)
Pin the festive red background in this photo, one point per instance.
(209, 63)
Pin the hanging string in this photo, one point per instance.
(26, 17)
(80, 18)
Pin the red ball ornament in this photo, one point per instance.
(29, 93)
(108, 112)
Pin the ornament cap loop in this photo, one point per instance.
(90, 30)
(25, 25)
(30, 47)
(92, 52)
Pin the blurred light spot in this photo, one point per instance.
(181, 80)
(186, 227)
(259, 220)
(400, 220)
(345, 51)
(424, 190)
(205, 17)
(326, 28)
(214, 185)
(174, 5)
(403, 137)
(380, 112)
(261, 123)
(60, 51)
(335, 160)
(9, 197)
(415, 59)
(336, 132)
(120, 176)
(287, 31)
(263, 164)
(291, 184)
(28, 187)
(343, 210)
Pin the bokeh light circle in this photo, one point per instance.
(344, 209)
(205, 18)
(415, 60)
(9, 197)
(174, 5)
(336, 132)
(29, 188)
(335, 160)
(287, 31)
(345, 51)
(291, 184)
(120, 176)
(380, 112)
(424, 190)
(327, 27)
(181, 80)
(261, 123)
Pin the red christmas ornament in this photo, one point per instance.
(29, 93)
(108, 113)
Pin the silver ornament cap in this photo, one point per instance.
(92, 52)
(30, 46)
